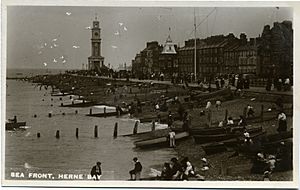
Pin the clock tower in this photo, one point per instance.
(96, 61)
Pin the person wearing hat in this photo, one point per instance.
(230, 122)
(205, 165)
(188, 169)
(177, 169)
(271, 162)
(242, 121)
(250, 111)
(96, 171)
(166, 173)
(259, 164)
(282, 125)
(208, 105)
(136, 172)
(218, 104)
(247, 140)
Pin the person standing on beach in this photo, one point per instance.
(96, 171)
(136, 172)
(172, 139)
(282, 125)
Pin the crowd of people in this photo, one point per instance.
(173, 170)
(183, 170)
(281, 84)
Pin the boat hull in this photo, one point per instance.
(161, 141)
(13, 126)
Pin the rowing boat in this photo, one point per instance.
(161, 141)
(200, 139)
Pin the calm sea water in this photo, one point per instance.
(31, 72)
(24, 152)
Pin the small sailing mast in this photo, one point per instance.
(195, 51)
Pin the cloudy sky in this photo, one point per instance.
(58, 37)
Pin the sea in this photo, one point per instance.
(25, 154)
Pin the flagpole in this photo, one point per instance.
(195, 51)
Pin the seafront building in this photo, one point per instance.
(268, 55)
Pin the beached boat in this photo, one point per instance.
(163, 118)
(214, 130)
(218, 147)
(161, 141)
(60, 94)
(204, 96)
(14, 125)
(80, 104)
(107, 114)
(279, 136)
(200, 139)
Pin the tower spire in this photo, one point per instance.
(169, 36)
(96, 15)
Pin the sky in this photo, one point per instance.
(58, 37)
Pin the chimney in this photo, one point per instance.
(252, 41)
(243, 39)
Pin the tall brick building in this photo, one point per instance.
(269, 55)
(210, 56)
(147, 61)
(276, 50)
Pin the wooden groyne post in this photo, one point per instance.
(116, 130)
(153, 126)
(38, 135)
(104, 111)
(96, 131)
(57, 134)
(135, 128)
(91, 111)
(77, 132)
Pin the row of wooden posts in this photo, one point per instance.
(209, 115)
(50, 114)
(135, 128)
(115, 132)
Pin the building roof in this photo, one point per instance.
(169, 47)
(205, 45)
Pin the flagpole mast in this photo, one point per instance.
(195, 51)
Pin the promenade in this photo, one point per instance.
(252, 89)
